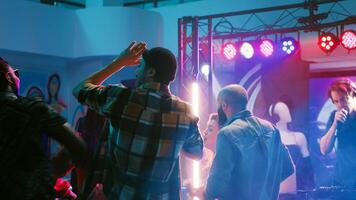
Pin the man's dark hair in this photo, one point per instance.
(164, 63)
(4, 68)
(345, 86)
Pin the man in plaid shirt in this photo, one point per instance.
(149, 126)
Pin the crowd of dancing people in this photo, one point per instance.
(148, 129)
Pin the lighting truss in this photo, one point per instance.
(200, 36)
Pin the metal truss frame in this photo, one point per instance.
(199, 34)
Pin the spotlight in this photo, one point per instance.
(266, 48)
(328, 42)
(229, 50)
(195, 98)
(205, 69)
(348, 39)
(247, 50)
(195, 164)
(289, 45)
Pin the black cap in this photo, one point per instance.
(163, 61)
(3, 61)
(4, 66)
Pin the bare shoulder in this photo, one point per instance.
(302, 143)
(301, 139)
(300, 136)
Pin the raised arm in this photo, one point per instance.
(74, 148)
(129, 57)
(327, 142)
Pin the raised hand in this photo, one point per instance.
(340, 116)
(132, 54)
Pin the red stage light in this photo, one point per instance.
(348, 39)
(229, 51)
(328, 42)
(266, 48)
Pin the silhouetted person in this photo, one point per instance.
(26, 169)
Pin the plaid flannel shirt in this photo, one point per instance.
(148, 130)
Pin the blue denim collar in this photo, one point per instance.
(240, 115)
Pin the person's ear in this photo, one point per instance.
(151, 72)
(9, 78)
(224, 106)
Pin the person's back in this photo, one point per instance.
(22, 158)
(259, 164)
(154, 127)
(149, 126)
(250, 160)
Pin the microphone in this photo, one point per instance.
(340, 124)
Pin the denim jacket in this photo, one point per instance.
(250, 160)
